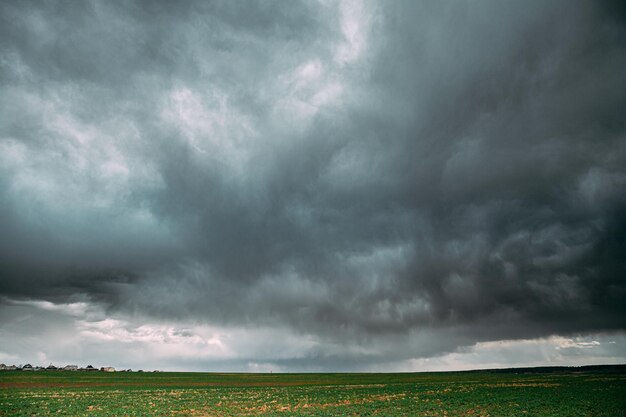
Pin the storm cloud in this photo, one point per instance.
(371, 182)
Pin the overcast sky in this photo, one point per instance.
(313, 186)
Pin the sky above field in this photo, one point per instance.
(313, 186)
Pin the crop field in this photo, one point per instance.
(560, 393)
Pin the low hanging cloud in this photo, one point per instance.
(373, 183)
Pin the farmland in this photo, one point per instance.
(589, 392)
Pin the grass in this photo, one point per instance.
(560, 393)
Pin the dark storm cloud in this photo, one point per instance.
(409, 176)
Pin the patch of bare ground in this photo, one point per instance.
(93, 408)
(343, 403)
(476, 412)
(274, 406)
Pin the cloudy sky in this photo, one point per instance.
(312, 186)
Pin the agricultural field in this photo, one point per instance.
(481, 393)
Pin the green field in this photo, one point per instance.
(561, 393)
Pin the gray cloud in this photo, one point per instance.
(413, 177)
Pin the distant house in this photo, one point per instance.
(90, 368)
(51, 367)
(107, 369)
(3, 367)
(27, 367)
(70, 368)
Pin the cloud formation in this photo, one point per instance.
(377, 182)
